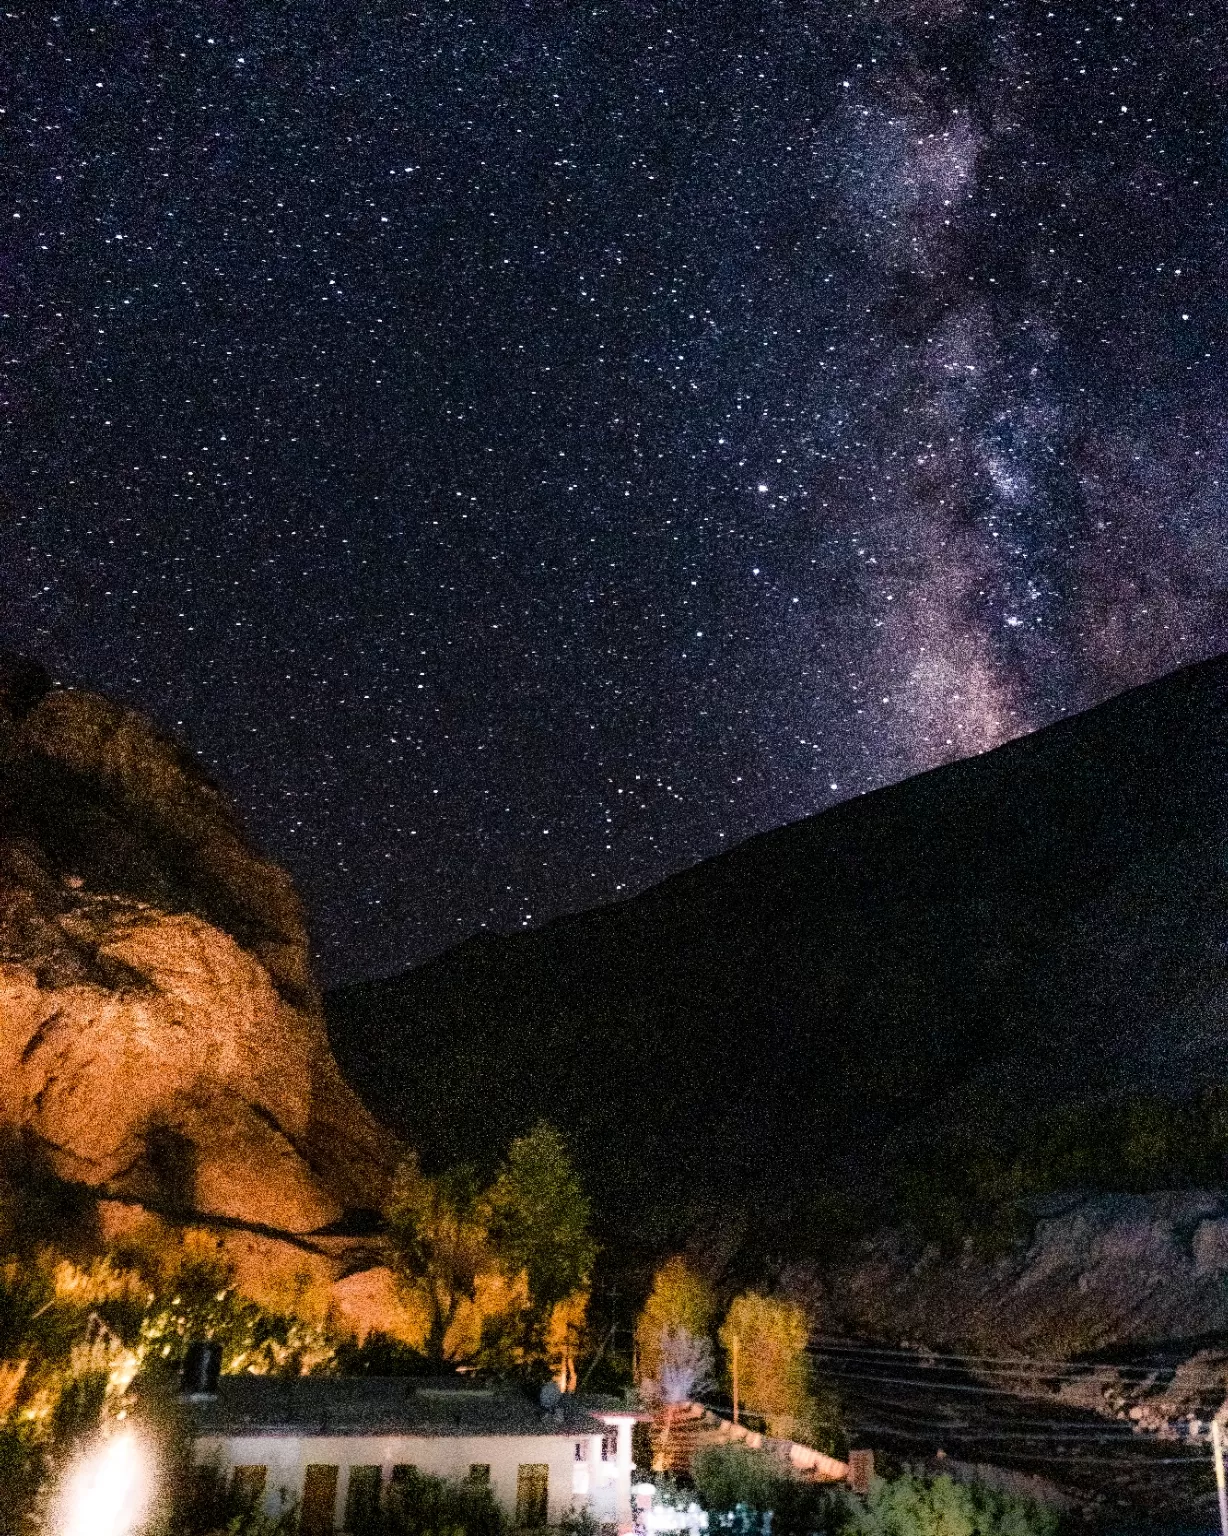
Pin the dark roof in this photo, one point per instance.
(367, 1405)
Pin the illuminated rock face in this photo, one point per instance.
(161, 1039)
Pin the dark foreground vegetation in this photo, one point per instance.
(963, 1189)
(730, 1485)
(744, 1496)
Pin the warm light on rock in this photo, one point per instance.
(161, 1039)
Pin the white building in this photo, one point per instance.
(335, 1444)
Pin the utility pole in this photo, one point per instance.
(1217, 1446)
(733, 1361)
(608, 1341)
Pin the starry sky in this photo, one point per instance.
(525, 448)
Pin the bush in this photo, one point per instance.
(802, 1509)
(211, 1508)
(22, 1469)
(747, 1496)
(380, 1354)
(200, 1301)
(420, 1505)
(73, 1338)
(747, 1493)
(729, 1475)
(78, 1410)
(579, 1522)
(938, 1506)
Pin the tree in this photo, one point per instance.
(684, 1367)
(770, 1337)
(673, 1349)
(539, 1216)
(680, 1299)
(438, 1230)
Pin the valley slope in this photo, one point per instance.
(1043, 924)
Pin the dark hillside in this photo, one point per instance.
(1044, 922)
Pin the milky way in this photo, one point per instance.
(525, 448)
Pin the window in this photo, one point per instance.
(609, 1445)
(319, 1508)
(362, 1498)
(247, 1483)
(581, 1450)
(532, 1495)
(479, 1472)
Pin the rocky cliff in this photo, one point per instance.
(162, 1044)
(1092, 1272)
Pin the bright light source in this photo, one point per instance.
(108, 1491)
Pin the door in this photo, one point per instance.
(247, 1485)
(532, 1495)
(319, 1501)
(362, 1499)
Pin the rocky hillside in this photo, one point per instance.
(831, 1003)
(1093, 1272)
(162, 1047)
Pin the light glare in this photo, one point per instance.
(108, 1492)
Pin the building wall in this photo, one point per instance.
(287, 1456)
(609, 1479)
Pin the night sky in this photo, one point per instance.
(525, 448)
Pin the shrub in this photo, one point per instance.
(380, 1354)
(22, 1469)
(747, 1496)
(579, 1522)
(203, 1303)
(939, 1506)
(421, 1505)
(73, 1338)
(209, 1508)
(729, 1475)
(746, 1493)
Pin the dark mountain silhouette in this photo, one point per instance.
(1041, 924)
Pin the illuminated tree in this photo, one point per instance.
(680, 1301)
(769, 1336)
(539, 1217)
(683, 1368)
(438, 1230)
(514, 1259)
(564, 1333)
(673, 1350)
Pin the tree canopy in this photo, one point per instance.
(672, 1334)
(539, 1216)
(770, 1335)
(680, 1299)
(438, 1230)
(519, 1251)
